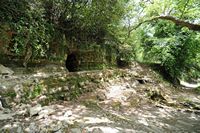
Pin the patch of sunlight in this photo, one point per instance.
(115, 91)
(188, 85)
(8, 126)
(90, 120)
(143, 121)
(68, 113)
(59, 106)
(193, 116)
(164, 113)
(149, 115)
(70, 110)
(60, 118)
(40, 74)
(80, 108)
(68, 119)
(163, 124)
(43, 97)
(120, 93)
(27, 119)
(104, 129)
(46, 121)
(21, 112)
(15, 125)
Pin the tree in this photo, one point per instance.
(170, 34)
(26, 20)
(37, 24)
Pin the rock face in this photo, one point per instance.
(5, 70)
(85, 60)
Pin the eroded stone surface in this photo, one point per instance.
(102, 102)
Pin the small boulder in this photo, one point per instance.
(5, 70)
(47, 110)
(35, 110)
(5, 116)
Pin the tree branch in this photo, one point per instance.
(191, 26)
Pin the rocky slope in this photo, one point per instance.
(136, 99)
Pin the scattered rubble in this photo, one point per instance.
(115, 100)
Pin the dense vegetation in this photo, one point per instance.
(152, 31)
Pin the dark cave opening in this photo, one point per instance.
(71, 62)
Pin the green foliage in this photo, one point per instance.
(32, 92)
(176, 48)
(36, 91)
(84, 21)
(10, 94)
(108, 24)
(26, 20)
(198, 90)
(40, 24)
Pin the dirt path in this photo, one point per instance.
(108, 101)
